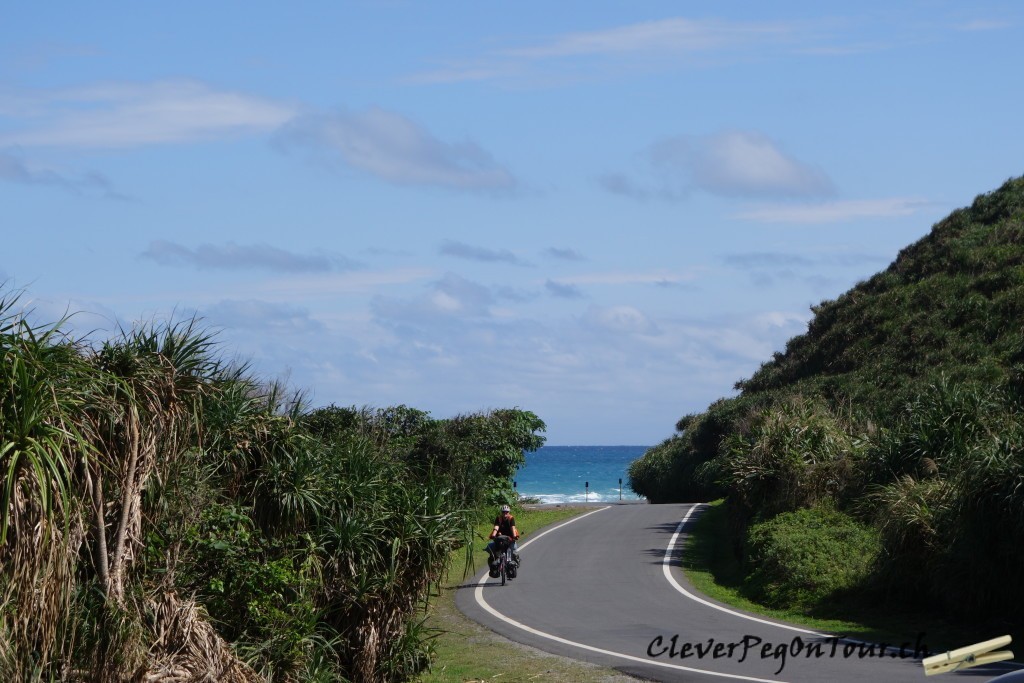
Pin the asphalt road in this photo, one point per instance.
(606, 588)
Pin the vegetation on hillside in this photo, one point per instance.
(902, 408)
(168, 516)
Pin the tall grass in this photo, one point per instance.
(795, 455)
(953, 516)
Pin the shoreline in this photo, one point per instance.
(552, 506)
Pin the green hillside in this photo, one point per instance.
(901, 410)
(951, 304)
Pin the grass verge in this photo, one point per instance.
(711, 567)
(466, 651)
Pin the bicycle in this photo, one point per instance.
(505, 566)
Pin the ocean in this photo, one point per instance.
(559, 474)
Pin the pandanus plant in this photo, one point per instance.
(84, 432)
(44, 382)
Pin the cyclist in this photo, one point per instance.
(505, 525)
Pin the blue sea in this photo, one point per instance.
(559, 474)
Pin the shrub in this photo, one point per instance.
(675, 471)
(804, 557)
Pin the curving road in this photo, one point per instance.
(605, 587)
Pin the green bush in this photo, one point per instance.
(676, 471)
(804, 557)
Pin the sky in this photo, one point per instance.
(606, 213)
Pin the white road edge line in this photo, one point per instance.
(666, 566)
(478, 593)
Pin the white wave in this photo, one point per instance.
(565, 498)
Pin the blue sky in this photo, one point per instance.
(606, 213)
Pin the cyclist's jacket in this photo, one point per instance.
(505, 525)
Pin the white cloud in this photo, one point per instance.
(745, 341)
(836, 211)
(620, 319)
(395, 149)
(622, 184)
(233, 256)
(776, 260)
(564, 254)
(665, 35)
(764, 259)
(767, 268)
(562, 291)
(737, 163)
(39, 56)
(451, 297)
(463, 296)
(330, 286)
(461, 73)
(81, 318)
(473, 253)
(620, 278)
(265, 316)
(451, 336)
(319, 290)
(662, 43)
(133, 114)
(984, 25)
(787, 320)
(16, 170)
